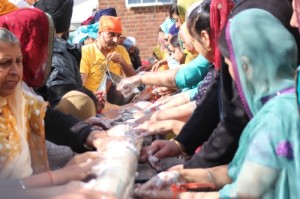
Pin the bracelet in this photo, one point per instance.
(210, 176)
(140, 76)
(22, 184)
(51, 178)
(180, 146)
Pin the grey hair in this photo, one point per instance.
(8, 37)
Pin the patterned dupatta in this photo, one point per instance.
(22, 134)
(267, 162)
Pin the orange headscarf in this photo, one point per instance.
(110, 24)
(6, 7)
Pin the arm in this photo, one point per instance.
(221, 141)
(66, 130)
(177, 100)
(84, 77)
(181, 113)
(217, 175)
(160, 127)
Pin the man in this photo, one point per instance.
(105, 55)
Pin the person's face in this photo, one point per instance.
(11, 68)
(178, 54)
(187, 43)
(109, 40)
(230, 69)
(294, 20)
(177, 20)
(203, 47)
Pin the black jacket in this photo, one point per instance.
(64, 76)
(63, 129)
(217, 123)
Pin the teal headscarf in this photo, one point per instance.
(259, 47)
(264, 57)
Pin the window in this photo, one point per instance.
(142, 3)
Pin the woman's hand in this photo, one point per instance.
(100, 95)
(79, 168)
(149, 128)
(154, 187)
(128, 84)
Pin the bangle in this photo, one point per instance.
(51, 178)
(210, 176)
(181, 148)
(22, 184)
(140, 76)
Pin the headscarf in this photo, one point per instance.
(268, 153)
(219, 11)
(6, 7)
(60, 11)
(22, 134)
(183, 6)
(245, 48)
(36, 34)
(297, 12)
(81, 34)
(166, 25)
(282, 11)
(105, 12)
(110, 24)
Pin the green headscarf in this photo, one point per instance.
(183, 6)
(264, 55)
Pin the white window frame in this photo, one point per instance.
(134, 5)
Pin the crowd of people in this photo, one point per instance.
(221, 88)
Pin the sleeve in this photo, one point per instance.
(192, 73)
(205, 117)
(125, 55)
(192, 93)
(63, 129)
(84, 63)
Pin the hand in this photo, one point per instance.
(115, 57)
(78, 169)
(163, 149)
(100, 121)
(162, 91)
(100, 95)
(161, 180)
(150, 194)
(128, 84)
(152, 128)
(156, 66)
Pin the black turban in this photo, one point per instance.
(60, 11)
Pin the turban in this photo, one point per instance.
(110, 24)
(105, 12)
(60, 11)
(6, 7)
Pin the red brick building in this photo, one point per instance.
(140, 22)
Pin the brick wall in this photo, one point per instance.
(141, 23)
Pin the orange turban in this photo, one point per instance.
(110, 24)
(6, 7)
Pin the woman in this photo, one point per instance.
(266, 164)
(180, 106)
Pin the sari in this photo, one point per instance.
(297, 11)
(22, 134)
(267, 162)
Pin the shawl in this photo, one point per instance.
(6, 7)
(266, 164)
(35, 31)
